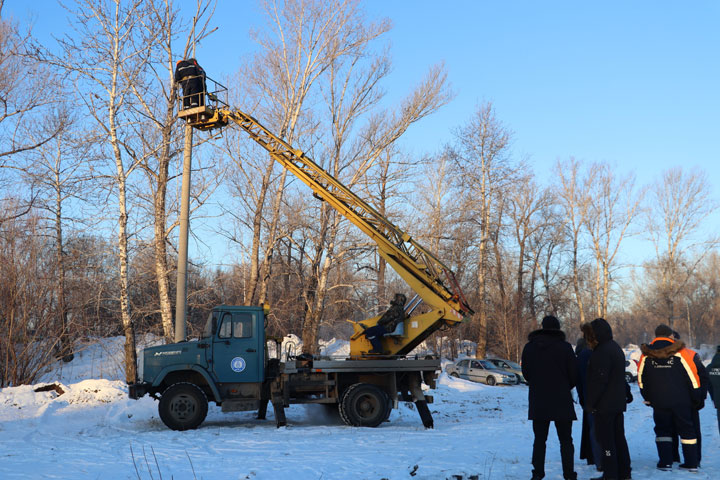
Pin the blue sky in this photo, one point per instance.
(632, 83)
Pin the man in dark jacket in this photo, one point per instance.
(589, 447)
(606, 398)
(669, 383)
(660, 331)
(714, 373)
(550, 368)
(387, 323)
(191, 77)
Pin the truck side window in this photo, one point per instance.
(242, 325)
(225, 330)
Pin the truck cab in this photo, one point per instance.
(226, 365)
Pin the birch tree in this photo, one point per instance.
(106, 58)
(155, 125)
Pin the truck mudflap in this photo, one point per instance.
(137, 390)
(421, 402)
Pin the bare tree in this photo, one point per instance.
(28, 340)
(155, 125)
(574, 203)
(352, 94)
(29, 91)
(526, 203)
(107, 55)
(61, 169)
(611, 209)
(482, 156)
(680, 203)
(302, 40)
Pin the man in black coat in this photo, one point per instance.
(714, 385)
(589, 447)
(606, 398)
(550, 368)
(191, 77)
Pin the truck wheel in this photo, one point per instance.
(490, 380)
(183, 406)
(389, 407)
(364, 405)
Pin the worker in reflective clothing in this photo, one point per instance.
(191, 77)
(714, 374)
(702, 374)
(387, 323)
(669, 383)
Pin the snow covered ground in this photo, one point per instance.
(93, 430)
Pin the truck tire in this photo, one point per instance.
(389, 407)
(364, 405)
(183, 406)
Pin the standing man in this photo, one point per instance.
(191, 77)
(606, 398)
(704, 385)
(669, 383)
(550, 368)
(714, 374)
(589, 447)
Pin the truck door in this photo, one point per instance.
(237, 348)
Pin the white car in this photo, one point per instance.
(630, 370)
(480, 371)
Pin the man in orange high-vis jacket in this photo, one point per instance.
(704, 376)
(670, 383)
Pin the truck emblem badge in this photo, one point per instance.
(237, 364)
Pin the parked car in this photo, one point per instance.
(508, 366)
(630, 370)
(480, 371)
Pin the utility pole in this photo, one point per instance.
(181, 299)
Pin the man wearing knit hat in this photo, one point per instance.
(550, 368)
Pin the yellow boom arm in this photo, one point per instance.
(424, 273)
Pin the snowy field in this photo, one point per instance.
(94, 431)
